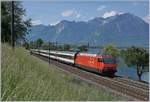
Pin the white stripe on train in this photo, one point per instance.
(56, 57)
(57, 52)
(86, 54)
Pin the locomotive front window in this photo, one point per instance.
(109, 60)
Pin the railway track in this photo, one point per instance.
(140, 85)
(128, 88)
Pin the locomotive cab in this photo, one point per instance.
(107, 64)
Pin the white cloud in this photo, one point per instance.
(70, 13)
(111, 13)
(36, 22)
(146, 18)
(100, 8)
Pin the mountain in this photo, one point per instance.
(123, 30)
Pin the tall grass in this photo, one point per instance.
(26, 78)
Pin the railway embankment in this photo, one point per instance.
(27, 78)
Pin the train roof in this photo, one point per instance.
(96, 55)
(88, 53)
(92, 53)
(65, 53)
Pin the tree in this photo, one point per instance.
(21, 25)
(39, 42)
(138, 57)
(111, 50)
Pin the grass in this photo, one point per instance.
(26, 78)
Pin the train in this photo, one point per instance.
(103, 64)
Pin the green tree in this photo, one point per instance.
(21, 25)
(138, 57)
(39, 42)
(111, 50)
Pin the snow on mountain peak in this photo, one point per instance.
(111, 13)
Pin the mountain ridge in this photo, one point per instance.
(123, 30)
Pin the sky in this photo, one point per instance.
(52, 12)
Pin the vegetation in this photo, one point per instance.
(138, 57)
(39, 42)
(27, 78)
(112, 50)
(50, 45)
(21, 25)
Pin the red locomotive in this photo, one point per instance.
(99, 63)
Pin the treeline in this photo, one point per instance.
(20, 25)
(40, 44)
(137, 57)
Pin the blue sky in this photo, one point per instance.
(52, 12)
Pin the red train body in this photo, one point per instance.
(102, 64)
